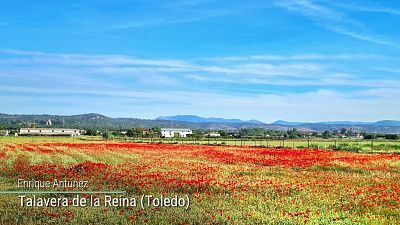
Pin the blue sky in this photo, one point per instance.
(298, 60)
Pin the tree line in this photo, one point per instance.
(260, 133)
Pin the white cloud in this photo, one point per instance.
(372, 39)
(320, 105)
(295, 70)
(334, 20)
(299, 57)
(364, 8)
(205, 87)
(262, 85)
(308, 8)
(391, 70)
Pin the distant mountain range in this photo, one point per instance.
(287, 123)
(98, 121)
(198, 119)
(347, 123)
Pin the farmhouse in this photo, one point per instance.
(175, 132)
(50, 131)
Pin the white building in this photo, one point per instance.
(212, 134)
(50, 131)
(175, 132)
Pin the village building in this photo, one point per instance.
(175, 132)
(50, 132)
(212, 134)
(145, 131)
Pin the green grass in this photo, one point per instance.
(354, 145)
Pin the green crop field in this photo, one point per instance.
(338, 144)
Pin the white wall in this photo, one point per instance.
(49, 131)
(171, 133)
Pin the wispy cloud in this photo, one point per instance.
(390, 70)
(334, 20)
(300, 57)
(179, 15)
(125, 83)
(376, 9)
(283, 106)
(308, 8)
(162, 22)
(297, 70)
(372, 39)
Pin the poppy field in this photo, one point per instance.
(225, 184)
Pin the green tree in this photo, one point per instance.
(130, 133)
(392, 136)
(116, 134)
(222, 133)
(106, 135)
(293, 133)
(369, 136)
(138, 132)
(156, 130)
(326, 134)
(91, 132)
